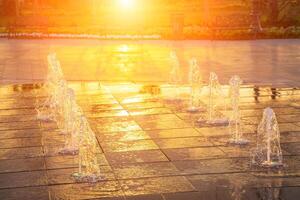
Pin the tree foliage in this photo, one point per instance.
(279, 11)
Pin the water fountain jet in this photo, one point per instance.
(175, 77)
(71, 119)
(268, 151)
(88, 164)
(213, 116)
(46, 110)
(235, 119)
(195, 80)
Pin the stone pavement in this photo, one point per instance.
(149, 149)
(277, 61)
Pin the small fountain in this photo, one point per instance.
(272, 190)
(62, 107)
(235, 119)
(68, 110)
(71, 124)
(45, 110)
(268, 151)
(88, 165)
(237, 188)
(51, 110)
(175, 77)
(195, 81)
(214, 117)
(44, 113)
(54, 74)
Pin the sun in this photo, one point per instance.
(126, 3)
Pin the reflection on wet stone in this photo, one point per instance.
(129, 146)
(156, 185)
(63, 176)
(183, 142)
(85, 190)
(193, 153)
(16, 153)
(23, 179)
(122, 136)
(146, 148)
(118, 126)
(212, 166)
(115, 158)
(27, 193)
(20, 142)
(28, 133)
(143, 170)
(61, 162)
(174, 133)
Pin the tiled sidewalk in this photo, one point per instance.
(149, 149)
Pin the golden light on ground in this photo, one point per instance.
(128, 4)
(123, 48)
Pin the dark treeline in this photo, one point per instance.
(272, 12)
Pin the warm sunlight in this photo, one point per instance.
(123, 48)
(159, 99)
(127, 3)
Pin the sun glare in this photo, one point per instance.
(124, 48)
(127, 3)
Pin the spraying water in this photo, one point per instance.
(235, 119)
(175, 77)
(195, 81)
(46, 111)
(72, 113)
(62, 107)
(268, 151)
(216, 100)
(88, 165)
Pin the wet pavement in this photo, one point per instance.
(149, 148)
(277, 61)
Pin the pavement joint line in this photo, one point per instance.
(24, 171)
(19, 137)
(21, 147)
(3, 122)
(15, 129)
(183, 174)
(32, 186)
(39, 131)
(154, 138)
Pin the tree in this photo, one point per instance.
(277, 10)
(9, 8)
(274, 12)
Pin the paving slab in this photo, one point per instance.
(85, 190)
(23, 179)
(17, 153)
(145, 170)
(147, 148)
(156, 185)
(174, 133)
(123, 136)
(21, 165)
(136, 145)
(27, 193)
(194, 153)
(149, 156)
